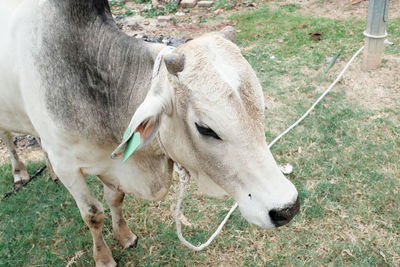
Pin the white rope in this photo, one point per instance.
(157, 62)
(375, 36)
(184, 178)
(318, 100)
(184, 175)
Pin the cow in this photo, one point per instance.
(70, 77)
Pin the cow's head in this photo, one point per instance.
(208, 107)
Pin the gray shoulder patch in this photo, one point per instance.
(94, 77)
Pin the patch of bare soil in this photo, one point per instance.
(25, 150)
(198, 20)
(376, 89)
(192, 24)
(340, 8)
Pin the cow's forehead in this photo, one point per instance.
(218, 57)
(216, 72)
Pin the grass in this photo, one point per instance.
(223, 4)
(150, 11)
(346, 167)
(120, 9)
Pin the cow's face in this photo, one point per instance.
(209, 107)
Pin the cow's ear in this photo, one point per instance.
(144, 124)
(229, 33)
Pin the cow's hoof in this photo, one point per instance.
(18, 184)
(134, 244)
(106, 264)
(102, 254)
(53, 175)
(125, 237)
(130, 242)
(56, 181)
(104, 258)
(20, 178)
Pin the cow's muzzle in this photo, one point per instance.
(281, 217)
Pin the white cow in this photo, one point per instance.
(70, 77)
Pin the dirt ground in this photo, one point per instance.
(24, 149)
(340, 8)
(374, 90)
(191, 24)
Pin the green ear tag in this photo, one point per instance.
(126, 134)
(131, 146)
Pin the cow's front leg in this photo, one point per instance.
(18, 168)
(92, 213)
(121, 231)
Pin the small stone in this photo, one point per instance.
(286, 169)
(328, 59)
(180, 14)
(32, 142)
(388, 42)
(163, 18)
(131, 5)
(198, 12)
(205, 3)
(218, 11)
(188, 3)
(146, 22)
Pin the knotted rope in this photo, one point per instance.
(184, 178)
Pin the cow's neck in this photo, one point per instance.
(80, 11)
(108, 73)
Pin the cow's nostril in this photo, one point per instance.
(283, 216)
(278, 219)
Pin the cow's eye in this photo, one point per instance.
(206, 131)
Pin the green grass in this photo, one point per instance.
(168, 8)
(223, 4)
(347, 172)
(119, 8)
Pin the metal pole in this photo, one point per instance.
(375, 33)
